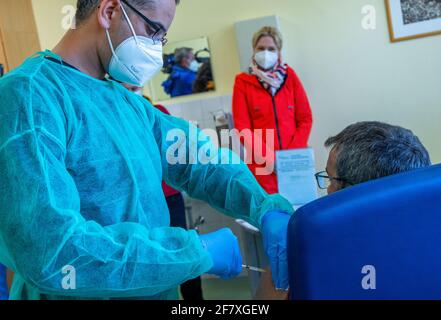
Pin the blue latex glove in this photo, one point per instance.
(275, 233)
(223, 247)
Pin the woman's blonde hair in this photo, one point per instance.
(268, 32)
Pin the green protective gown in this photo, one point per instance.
(82, 212)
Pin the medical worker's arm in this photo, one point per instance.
(43, 236)
(253, 143)
(303, 116)
(226, 184)
(3, 284)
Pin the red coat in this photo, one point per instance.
(288, 114)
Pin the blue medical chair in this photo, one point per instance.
(378, 240)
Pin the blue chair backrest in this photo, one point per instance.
(3, 284)
(378, 240)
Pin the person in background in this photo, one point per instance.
(192, 289)
(184, 74)
(362, 152)
(271, 97)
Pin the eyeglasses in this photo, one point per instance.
(156, 28)
(324, 180)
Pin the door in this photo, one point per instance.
(18, 32)
(2, 54)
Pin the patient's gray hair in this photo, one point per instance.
(372, 150)
(86, 7)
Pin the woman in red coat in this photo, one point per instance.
(270, 97)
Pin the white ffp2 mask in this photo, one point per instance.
(266, 59)
(136, 60)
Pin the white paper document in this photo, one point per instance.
(296, 175)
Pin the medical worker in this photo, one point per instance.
(83, 214)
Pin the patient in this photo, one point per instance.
(362, 152)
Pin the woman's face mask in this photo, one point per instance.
(266, 59)
(136, 60)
